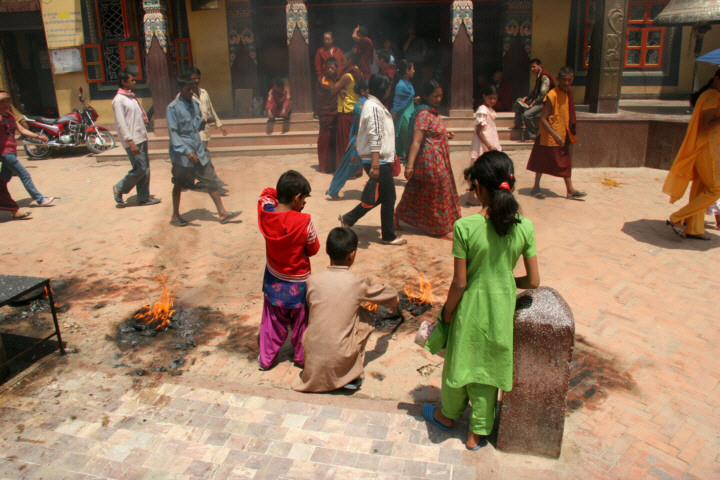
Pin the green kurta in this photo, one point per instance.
(480, 341)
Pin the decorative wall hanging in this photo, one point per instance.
(462, 13)
(296, 14)
(155, 24)
(517, 21)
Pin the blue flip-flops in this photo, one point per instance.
(427, 412)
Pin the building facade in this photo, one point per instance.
(51, 49)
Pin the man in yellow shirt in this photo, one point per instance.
(551, 152)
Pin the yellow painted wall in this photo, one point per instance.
(549, 43)
(550, 32)
(209, 40)
(687, 61)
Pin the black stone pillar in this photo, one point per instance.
(607, 54)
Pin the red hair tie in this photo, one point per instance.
(504, 186)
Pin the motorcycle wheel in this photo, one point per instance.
(99, 141)
(37, 151)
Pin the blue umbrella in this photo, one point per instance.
(710, 57)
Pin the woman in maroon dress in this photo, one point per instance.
(430, 200)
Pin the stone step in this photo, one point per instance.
(246, 139)
(260, 125)
(249, 125)
(118, 153)
(306, 137)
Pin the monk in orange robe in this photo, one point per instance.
(551, 151)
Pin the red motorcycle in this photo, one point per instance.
(72, 130)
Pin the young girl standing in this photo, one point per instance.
(486, 134)
(481, 302)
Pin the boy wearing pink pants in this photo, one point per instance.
(290, 241)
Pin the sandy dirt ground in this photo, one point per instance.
(643, 300)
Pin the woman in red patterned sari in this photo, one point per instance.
(430, 200)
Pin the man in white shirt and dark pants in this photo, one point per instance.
(130, 121)
(376, 147)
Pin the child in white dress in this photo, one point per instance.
(486, 134)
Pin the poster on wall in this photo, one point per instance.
(204, 4)
(63, 29)
(66, 60)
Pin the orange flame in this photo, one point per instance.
(421, 295)
(370, 307)
(159, 313)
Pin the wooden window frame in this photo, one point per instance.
(138, 57)
(178, 58)
(126, 33)
(645, 26)
(587, 26)
(100, 62)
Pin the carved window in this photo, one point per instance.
(644, 42)
(119, 33)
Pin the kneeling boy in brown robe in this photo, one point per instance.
(338, 327)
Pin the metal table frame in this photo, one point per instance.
(48, 291)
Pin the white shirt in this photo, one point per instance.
(376, 132)
(207, 111)
(129, 121)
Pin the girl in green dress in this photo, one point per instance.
(481, 302)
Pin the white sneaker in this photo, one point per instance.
(46, 201)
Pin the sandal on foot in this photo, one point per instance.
(481, 443)
(342, 222)
(428, 412)
(397, 242)
(179, 222)
(576, 195)
(230, 216)
(119, 202)
(679, 230)
(21, 216)
(151, 201)
(697, 237)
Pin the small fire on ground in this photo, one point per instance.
(415, 299)
(156, 317)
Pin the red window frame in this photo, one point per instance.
(137, 61)
(126, 32)
(587, 28)
(99, 62)
(178, 58)
(645, 26)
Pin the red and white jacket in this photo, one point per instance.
(290, 239)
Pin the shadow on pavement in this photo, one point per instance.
(655, 232)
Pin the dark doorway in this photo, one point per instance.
(388, 25)
(27, 63)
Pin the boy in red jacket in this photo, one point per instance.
(290, 241)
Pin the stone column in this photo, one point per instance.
(160, 69)
(299, 58)
(607, 55)
(461, 84)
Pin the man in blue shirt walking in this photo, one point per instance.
(188, 156)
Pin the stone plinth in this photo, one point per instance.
(533, 413)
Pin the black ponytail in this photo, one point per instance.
(694, 97)
(494, 170)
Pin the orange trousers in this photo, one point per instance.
(705, 191)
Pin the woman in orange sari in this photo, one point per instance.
(698, 161)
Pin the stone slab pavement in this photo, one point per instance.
(644, 392)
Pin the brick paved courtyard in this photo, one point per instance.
(643, 401)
